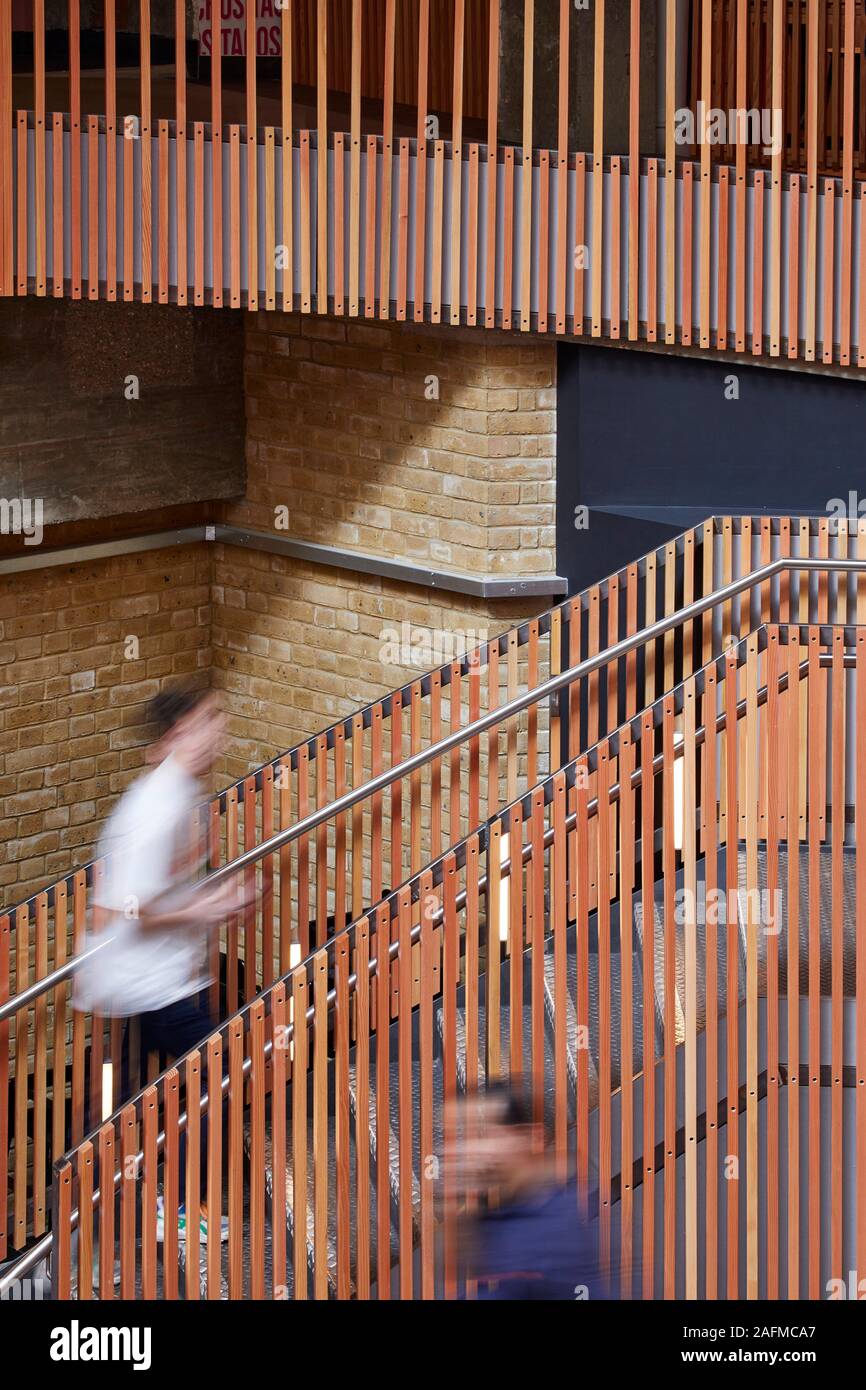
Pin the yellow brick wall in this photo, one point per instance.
(347, 433)
(343, 432)
(298, 646)
(72, 701)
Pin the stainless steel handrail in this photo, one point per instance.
(552, 686)
(249, 858)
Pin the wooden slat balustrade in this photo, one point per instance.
(432, 118)
(660, 976)
(52, 1059)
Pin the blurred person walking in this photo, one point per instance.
(531, 1241)
(156, 966)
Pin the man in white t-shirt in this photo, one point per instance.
(156, 965)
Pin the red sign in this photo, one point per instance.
(233, 28)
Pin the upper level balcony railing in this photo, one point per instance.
(682, 172)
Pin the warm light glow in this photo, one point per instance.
(504, 889)
(295, 958)
(679, 790)
(107, 1089)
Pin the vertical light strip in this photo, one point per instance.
(107, 1090)
(678, 790)
(504, 888)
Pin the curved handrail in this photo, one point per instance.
(501, 713)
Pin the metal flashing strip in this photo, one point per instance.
(38, 559)
(521, 586)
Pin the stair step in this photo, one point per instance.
(290, 1208)
(181, 1274)
(393, 1129)
(505, 1048)
(570, 1022)
(310, 1204)
(462, 1048)
(202, 1278)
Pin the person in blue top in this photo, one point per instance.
(530, 1241)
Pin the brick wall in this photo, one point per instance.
(344, 432)
(436, 446)
(297, 646)
(72, 694)
(349, 433)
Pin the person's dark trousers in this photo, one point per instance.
(171, 1032)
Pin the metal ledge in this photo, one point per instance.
(356, 561)
(38, 559)
(405, 570)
